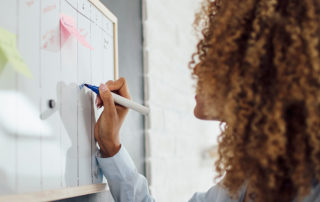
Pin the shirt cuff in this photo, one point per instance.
(118, 167)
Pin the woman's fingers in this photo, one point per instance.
(109, 83)
(99, 102)
(107, 99)
(119, 85)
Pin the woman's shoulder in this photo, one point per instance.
(314, 193)
(217, 193)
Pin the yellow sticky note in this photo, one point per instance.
(8, 51)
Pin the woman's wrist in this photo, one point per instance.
(110, 149)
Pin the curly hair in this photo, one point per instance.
(261, 59)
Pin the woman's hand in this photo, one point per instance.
(107, 128)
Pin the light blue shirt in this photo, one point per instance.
(127, 185)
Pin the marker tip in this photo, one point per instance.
(81, 86)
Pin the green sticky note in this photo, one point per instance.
(3, 60)
(9, 52)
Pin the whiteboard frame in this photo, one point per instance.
(69, 192)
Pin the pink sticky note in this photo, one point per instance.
(69, 28)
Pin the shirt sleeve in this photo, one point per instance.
(126, 184)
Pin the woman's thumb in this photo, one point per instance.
(106, 97)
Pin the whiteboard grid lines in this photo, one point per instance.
(91, 117)
(40, 86)
(79, 12)
(60, 104)
(78, 177)
(91, 106)
(16, 87)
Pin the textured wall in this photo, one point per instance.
(177, 162)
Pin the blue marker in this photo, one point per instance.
(91, 87)
(120, 100)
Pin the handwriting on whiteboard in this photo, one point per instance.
(30, 3)
(83, 32)
(49, 8)
(51, 40)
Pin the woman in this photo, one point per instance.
(258, 71)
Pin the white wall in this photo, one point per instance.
(177, 165)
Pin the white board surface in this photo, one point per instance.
(57, 151)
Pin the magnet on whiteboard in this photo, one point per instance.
(53, 107)
(52, 104)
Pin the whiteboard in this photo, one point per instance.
(45, 148)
